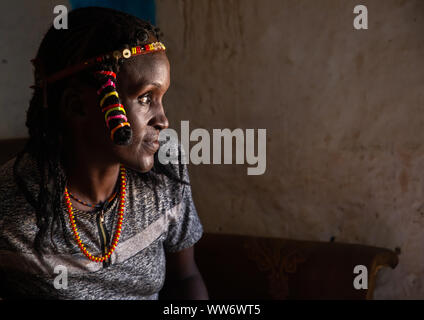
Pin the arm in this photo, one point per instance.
(183, 279)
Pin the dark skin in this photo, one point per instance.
(92, 159)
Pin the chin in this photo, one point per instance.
(144, 165)
(138, 157)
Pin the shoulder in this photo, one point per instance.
(7, 181)
(11, 197)
(17, 216)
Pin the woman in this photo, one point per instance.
(86, 209)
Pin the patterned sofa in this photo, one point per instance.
(248, 267)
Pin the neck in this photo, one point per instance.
(90, 179)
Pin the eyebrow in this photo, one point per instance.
(142, 84)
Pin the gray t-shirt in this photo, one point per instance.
(157, 219)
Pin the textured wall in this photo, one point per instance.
(343, 110)
(22, 27)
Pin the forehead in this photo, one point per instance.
(143, 70)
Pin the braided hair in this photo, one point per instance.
(92, 31)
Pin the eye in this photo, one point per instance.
(145, 99)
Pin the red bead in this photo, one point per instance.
(119, 225)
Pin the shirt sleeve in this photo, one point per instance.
(184, 228)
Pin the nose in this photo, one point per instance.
(159, 120)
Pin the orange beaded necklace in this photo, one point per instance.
(118, 226)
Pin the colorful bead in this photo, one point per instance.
(107, 73)
(118, 228)
(126, 53)
(112, 106)
(117, 127)
(113, 93)
(119, 116)
(157, 46)
(114, 109)
(90, 205)
(107, 84)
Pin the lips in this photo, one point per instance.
(151, 143)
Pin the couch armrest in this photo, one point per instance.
(328, 269)
(246, 267)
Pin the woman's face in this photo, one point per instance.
(141, 83)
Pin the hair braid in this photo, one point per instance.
(115, 115)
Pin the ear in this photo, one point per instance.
(71, 104)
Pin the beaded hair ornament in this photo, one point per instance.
(110, 104)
